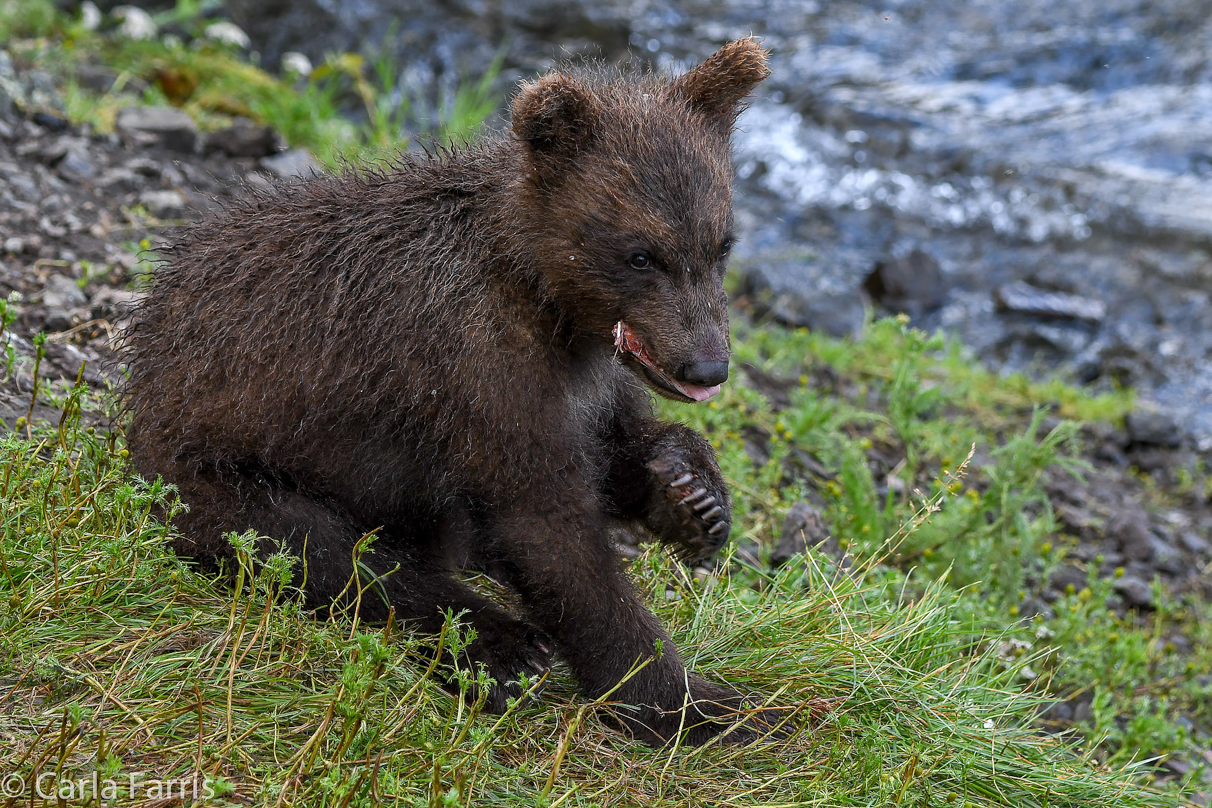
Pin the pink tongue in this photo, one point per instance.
(699, 393)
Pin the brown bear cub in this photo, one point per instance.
(457, 351)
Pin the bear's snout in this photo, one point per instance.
(704, 373)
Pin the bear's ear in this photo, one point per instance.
(717, 87)
(554, 116)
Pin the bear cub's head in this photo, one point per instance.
(629, 209)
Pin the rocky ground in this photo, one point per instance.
(1129, 515)
(79, 212)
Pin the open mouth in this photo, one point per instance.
(629, 343)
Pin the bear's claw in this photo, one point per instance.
(693, 512)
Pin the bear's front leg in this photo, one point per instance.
(666, 476)
(576, 591)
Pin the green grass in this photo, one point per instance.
(913, 680)
(119, 658)
(350, 107)
(913, 408)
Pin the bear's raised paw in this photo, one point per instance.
(690, 508)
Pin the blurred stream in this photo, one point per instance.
(1034, 177)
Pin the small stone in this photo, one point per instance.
(1149, 458)
(14, 245)
(157, 126)
(1082, 712)
(229, 34)
(56, 320)
(1166, 556)
(1195, 543)
(69, 359)
(122, 179)
(50, 228)
(172, 176)
(144, 167)
(747, 552)
(10, 88)
(1033, 606)
(1181, 644)
(50, 121)
(296, 63)
(1022, 298)
(1118, 355)
(90, 16)
(802, 528)
(1134, 591)
(43, 96)
(127, 260)
(48, 153)
(96, 77)
(912, 284)
(76, 165)
(1074, 517)
(1153, 428)
(243, 140)
(1059, 711)
(1110, 451)
(62, 293)
(838, 315)
(292, 163)
(1068, 576)
(800, 290)
(113, 304)
(136, 23)
(1130, 528)
(164, 204)
(1176, 766)
(24, 187)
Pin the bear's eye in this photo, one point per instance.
(725, 248)
(640, 260)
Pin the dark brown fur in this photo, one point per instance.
(428, 350)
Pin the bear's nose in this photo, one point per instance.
(705, 374)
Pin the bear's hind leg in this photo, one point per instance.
(419, 588)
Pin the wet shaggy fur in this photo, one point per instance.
(427, 351)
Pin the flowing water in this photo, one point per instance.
(1040, 171)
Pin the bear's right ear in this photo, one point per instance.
(554, 116)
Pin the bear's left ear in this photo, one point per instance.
(717, 87)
